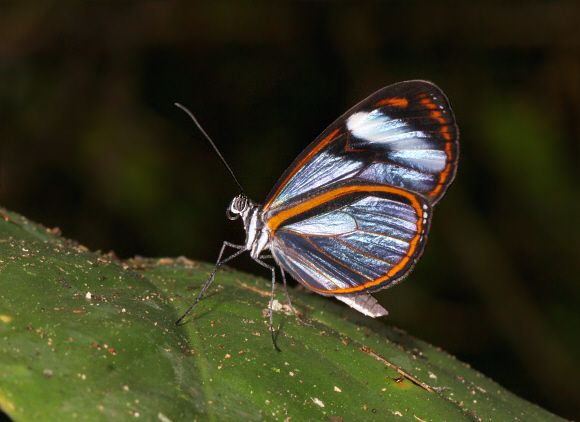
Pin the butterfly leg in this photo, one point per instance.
(289, 302)
(273, 269)
(220, 261)
(286, 291)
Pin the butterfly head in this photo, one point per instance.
(257, 233)
(240, 206)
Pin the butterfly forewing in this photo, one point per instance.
(404, 135)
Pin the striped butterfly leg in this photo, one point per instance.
(273, 269)
(220, 261)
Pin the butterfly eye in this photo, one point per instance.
(232, 214)
(237, 207)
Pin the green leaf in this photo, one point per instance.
(86, 336)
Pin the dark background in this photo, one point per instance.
(92, 143)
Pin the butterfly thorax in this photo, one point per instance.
(257, 232)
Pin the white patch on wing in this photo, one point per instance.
(395, 175)
(431, 160)
(380, 128)
(328, 224)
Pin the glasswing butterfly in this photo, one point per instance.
(351, 214)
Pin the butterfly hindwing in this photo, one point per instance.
(352, 237)
(404, 135)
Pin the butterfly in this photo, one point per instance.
(350, 216)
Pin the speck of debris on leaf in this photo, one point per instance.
(317, 401)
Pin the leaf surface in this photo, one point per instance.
(88, 337)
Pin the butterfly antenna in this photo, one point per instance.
(223, 160)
